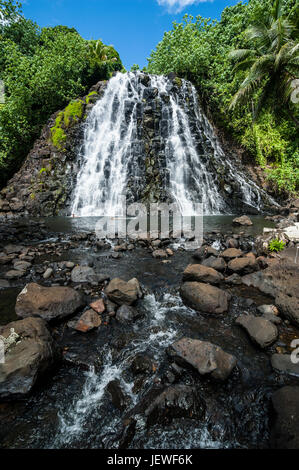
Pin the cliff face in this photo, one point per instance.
(168, 149)
(46, 179)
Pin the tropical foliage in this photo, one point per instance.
(43, 70)
(243, 67)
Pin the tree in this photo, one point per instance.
(272, 61)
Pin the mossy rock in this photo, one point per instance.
(90, 97)
(73, 112)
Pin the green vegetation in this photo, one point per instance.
(276, 245)
(43, 70)
(243, 67)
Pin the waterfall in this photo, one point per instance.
(147, 138)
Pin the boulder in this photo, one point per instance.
(177, 401)
(26, 360)
(204, 298)
(283, 363)
(280, 280)
(142, 364)
(231, 253)
(127, 314)
(285, 432)
(20, 265)
(263, 332)
(244, 220)
(204, 252)
(247, 264)
(200, 273)
(205, 357)
(216, 263)
(122, 292)
(88, 321)
(83, 274)
(289, 307)
(49, 303)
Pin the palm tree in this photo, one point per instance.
(101, 54)
(272, 63)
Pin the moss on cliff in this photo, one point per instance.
(66, 119)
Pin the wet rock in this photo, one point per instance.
(30, 357)
(263, 332)
(142, 364)
(216, 263)
(268, 309)
(243, 265)
(83, 274)
(200, 273)
(205, 357)
(48, 273)
(244, 220)
(98, 306)
(88, 321)
(283, 364)
(118, 398)
(160, 254)
(204, 297)
(285, 433)
(122, 292)
(204, 251)
(231, 253)
(49, 303)
(127, 314)
(177, 401)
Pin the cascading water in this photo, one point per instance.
(147, 138)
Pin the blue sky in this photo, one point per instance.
(133, 27)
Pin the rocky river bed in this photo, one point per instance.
(141, 344)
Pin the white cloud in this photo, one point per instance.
(175, 6)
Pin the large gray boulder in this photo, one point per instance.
(280, 280)
(197, 272)
(205, 357)
(285, 433)
(49, 303)
(27, 358)
(263, 332)
(204, 298)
